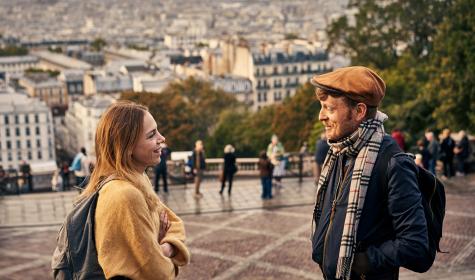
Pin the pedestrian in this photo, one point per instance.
(462, 152)
(398, 136)
(362, 230)
(25, 173)
(422, 150)
(265, 172)
(321, 150)
(81, 167)
(161, 169)
(433, 147)
(64, 172)
(136, 235)
(447, 153)
(275, 152)
(229, 168)
(198, 161)
(418, 160)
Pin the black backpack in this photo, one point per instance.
(75, 256)
(433, 202)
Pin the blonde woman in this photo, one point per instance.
(229, 168)
(136, 235)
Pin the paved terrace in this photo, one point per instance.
(237, 237)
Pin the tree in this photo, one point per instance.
(98, 44)
(451, 84)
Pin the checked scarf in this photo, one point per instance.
(363, 144)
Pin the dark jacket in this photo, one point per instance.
(392, 231)
(230, 163)
(198, 165)
(265, 167)
(321, 150)
(447, 149)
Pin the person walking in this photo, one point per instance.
(161, 169)
(229, 168)
(362, 230)
(447, 153)
(136, 235)
(265, 172)
(275, 152)
(321, 150)
(198, 161)
(81, 168)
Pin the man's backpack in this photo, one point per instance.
(75, 256)
(433, 201)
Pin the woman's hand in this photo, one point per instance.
(164, 226)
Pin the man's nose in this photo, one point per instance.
(322, 116)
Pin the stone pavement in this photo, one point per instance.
(240, 237)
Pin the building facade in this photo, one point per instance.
(80, 123)
(26, 132)
(45, 88)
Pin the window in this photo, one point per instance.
(275, 70)
(7, 132)
(7, 119)
(37, 118)
(28, 143)
(40, 156)
(38, 143)
(27, 131)
(9, 144)
(9, 156)
(17, 131)
(27, 119)
(18, 155)
(16, 119)
(18, 144)
(37, 130)
(29, 155)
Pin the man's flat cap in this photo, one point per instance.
(358, 83)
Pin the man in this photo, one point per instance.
(369, 222)
(433, 147)
(161, 169)
(447, 153)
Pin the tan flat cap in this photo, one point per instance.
(356, 82)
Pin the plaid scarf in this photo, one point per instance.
(363, 144)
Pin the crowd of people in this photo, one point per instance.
(16, 181)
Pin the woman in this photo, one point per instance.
(229, 168)
(275, 152)
(198, 159)
(136, 235)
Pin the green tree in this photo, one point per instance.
(11, 50)
(98, 44)
(451, 84)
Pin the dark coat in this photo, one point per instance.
(392, 231)
(202, 164)
(230, 163)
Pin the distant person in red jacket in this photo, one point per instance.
(398, 136)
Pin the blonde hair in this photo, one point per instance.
(117, 133)
(228, 149)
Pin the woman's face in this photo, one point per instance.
(148, 148)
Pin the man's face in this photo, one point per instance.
(338, 118)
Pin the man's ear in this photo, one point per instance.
(361, 110)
